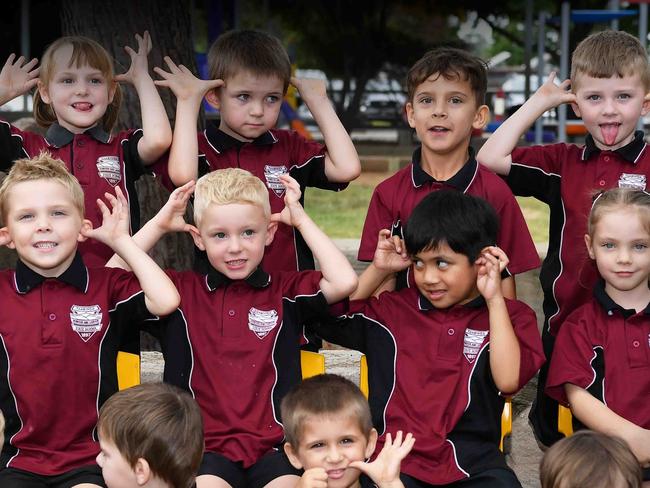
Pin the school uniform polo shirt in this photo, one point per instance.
(605, 349)
(565, 177)
(395, 198)
(235, 345)
(429, 374)
(100, 161)
(58, 348)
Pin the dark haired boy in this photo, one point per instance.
(446, 93)
(443, 354)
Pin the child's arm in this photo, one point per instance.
(504, 347)
(339, 279)
(17, 77)
(495, 153)
(385, 470)
(156, 131)
(341, 159)
(183, 165)
(597, 416)
(161, 296)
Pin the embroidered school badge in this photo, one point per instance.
(86, 320)
(261, 322)
(272, 175)
(634, 181)
(108, 168)
(472, 343)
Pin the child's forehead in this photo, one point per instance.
(332, 423)
(446, 81)
(586, 81)
(249, 78)
(441, 250)
(240, 213)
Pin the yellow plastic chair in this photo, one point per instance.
(564, 421)
(312, 364)
(128, 370)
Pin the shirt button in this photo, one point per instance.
(231, 313)
(451, 332)
(79, 165)
(606, 158)
(636, 343)
(81, 143)
(601, 182)
(52, 316)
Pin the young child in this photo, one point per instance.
(446, 93)
(602, 352)
(78, 100)
(61, 323)
(151, 435)
(234, 341)
(610, 77)
(329, 434)
(249, 75)
(443, 355)
(591, 459)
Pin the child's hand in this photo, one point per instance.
(183, 83)
(171, 217)
(491, 263)
(115, 222)
(313, 478)
(17, 77)
(639, 442)
(390, 254)
(293, 212)
(385, 470)
(310, 88)
(139, 68)
(556, 94)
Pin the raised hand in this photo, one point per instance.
(491, 263)
(309, 88)
(313, 478)
(115, 222)
(17, 77)
(139, 68)
(171, 217)
(385, 469)
(180, 80)
(293, 211)
(555, 95)
(390, 254)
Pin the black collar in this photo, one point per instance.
(425, 305)
(257, 279)
(630, 152)
(461, 180)
(76, 275)
(610, 305)
(221, 141)
(59, 136)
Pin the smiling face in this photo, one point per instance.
(332, 442)
(248, 104)
(444, 112)
(79, 95)
(43, 225)
(610, 108)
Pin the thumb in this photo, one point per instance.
(360, 465)
(212, 84)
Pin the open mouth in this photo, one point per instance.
(335, 474)
(609, 132)
(82, 106)
(45, 245)
(438, 128)
(236, 263)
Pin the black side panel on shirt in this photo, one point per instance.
(11, 147)
(8, 407)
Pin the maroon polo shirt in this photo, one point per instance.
(605, 349)
(58, 349)
(429, 374)
(565, 177)
(235, 345)
(100, 162)
(395, 198)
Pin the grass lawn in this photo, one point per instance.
(341, 215)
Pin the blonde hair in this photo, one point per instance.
(85, 51)
(610, 53)
(42, 167)
(230, 185)
(591, 459)
(619, 199)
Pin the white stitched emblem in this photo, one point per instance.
(108, 168)
(648, 340)
(86, 320)
(472, 343)
(272, 175)
(628, 180)
(261, 322)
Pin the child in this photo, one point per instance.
(443, 355)
(610, 77)
(591, 459)
(249, 75)
(446, 92)
(234, 342)
(78, 100)
(61, 323)
(151, 435)
(602, 352)
(329, 434)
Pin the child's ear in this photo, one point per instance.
(481, 118)
(142, 472)
(42, 91)
(576, 109)
(646, 104)
(270, 232)
(372, 442)
(86, 225)
(409, 115)
(5, 238)
(196, 236)
(291, 454)
(589, 245)
(212, 98)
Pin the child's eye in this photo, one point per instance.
(67, 81)
(248, 233)
(220, 235)
(425, 100)
(455, 100)
(607, 245)
(442, 264)
(347, 440)
(593, 98)
(624, 96)
(640, 247)
(96, 81)
(316, 445)
(25, 217)
(243, 97)
(58, 213)
(272, 99)
(418, 263)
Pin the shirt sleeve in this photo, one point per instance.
(531, 353)
(346, 325)
(127, 297)
(130, 154)
(11, 145)
(536, 170)
(307, 158)
(303, 289)
(379, 216)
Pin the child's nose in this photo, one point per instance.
(257, 108)
(334, 455)
(439, 109)
(234, 245)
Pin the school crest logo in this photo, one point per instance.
(472, 343)
(628, 180)
(108, 168)
(86, 320)
(272, 175)
(261, 322)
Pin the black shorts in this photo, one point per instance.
(266, 469)
(491, 478)
(17, 478)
